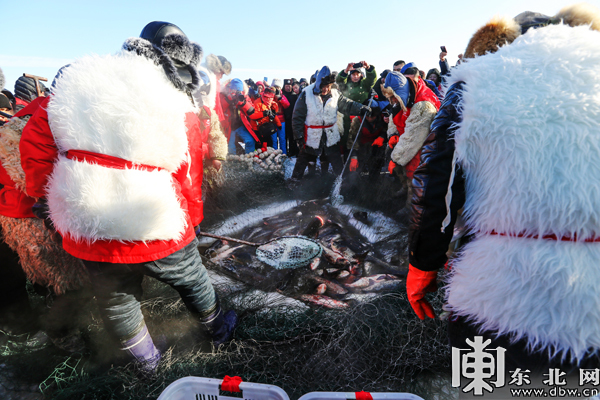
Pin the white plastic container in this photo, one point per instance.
(195, 388)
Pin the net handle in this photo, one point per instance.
(229, 239)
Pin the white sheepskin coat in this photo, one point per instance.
(124, 106)
(415, 132)
(318, 114)
(529, 144)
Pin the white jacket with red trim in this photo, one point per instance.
(121, 106)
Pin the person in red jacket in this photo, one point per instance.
(282, 104)
(120, 169)
(240, 108)
(265, 120)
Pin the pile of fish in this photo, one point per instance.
(270, 160)
(363, 255)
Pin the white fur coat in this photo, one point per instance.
(529, 145)
(124, 106)
(318, 114)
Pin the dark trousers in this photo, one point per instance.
(118, 287)
(304, 158)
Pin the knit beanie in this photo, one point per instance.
(236, 85)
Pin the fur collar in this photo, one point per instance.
(500, 31)
(217, 64)
(144, 48)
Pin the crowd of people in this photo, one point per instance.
(115, 172)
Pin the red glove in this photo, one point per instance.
(264, 147)
(378, 142)
(417, 284)
(391, 167)
(393, 140)
(353, 164)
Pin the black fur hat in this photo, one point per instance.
(25, 89)
(167, 45)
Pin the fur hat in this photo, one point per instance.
(276, 82)
(25, 89)
(167, 45)
(396, 85)
(2, 79)
(500, 31)
(218, 64)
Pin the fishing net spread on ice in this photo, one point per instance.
(340, 322)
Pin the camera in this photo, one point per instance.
(357, 65)
(385, 113)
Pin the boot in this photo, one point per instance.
(141, 348)
(220, 325)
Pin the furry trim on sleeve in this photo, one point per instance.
(10, 156)
(392, 130)
(217, 142)
(144, 48)
(354, 125)
(496, 33)
(415, 133)
(218, 64)
(388, 92)
(580, 14)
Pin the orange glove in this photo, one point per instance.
(378, 142)
(391, 167)
(353, 164)
(393, 140)
(417, 284)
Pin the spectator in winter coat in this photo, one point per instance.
(264, 119)
(369, 151)
(315, 122)
(356, 87)
(279, 141)
(434, 75)
(127, 205)
(291, 96)
(414, 106)
(240, 108)
(526, 280)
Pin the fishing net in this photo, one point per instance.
(289, 252)
(360, 333)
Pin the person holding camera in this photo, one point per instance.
(355, 86)
(240, 107)
(264, 119)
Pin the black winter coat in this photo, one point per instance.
(427, 244)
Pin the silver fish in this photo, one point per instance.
(323, 301)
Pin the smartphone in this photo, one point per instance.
(357, 65)
(443, 49)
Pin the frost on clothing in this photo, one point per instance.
(91, 201)
(324, 115)
(541, 290)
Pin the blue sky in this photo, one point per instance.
(277, 39)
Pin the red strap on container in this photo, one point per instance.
(231, 384)
(107, 161)
(362, 395)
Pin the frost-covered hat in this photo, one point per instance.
(276, 82)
